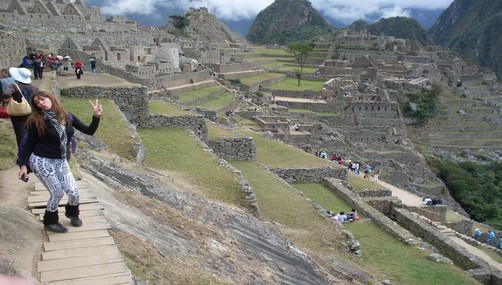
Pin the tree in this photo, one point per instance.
(179, 22)
(300, 51)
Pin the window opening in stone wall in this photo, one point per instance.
(119, 57)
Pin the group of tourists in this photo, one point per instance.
(44, 131)
(59, 63)
(490, 238)
(342, 217)
(354, 166)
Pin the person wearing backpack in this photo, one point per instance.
(46, 151)
(22, 78)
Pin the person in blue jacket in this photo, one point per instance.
(46, 152)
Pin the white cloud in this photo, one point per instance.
(345, 11)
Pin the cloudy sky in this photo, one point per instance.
(340, 11)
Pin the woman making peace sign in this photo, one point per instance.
(50, 129)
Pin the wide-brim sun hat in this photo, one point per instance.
(22, 74)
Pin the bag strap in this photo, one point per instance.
(19, 90)
(22, 94)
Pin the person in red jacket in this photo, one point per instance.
(78, 69)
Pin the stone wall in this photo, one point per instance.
(420, 228)
(195, 123)
(234, 148)
(367, 210)
(310, 174)
(132, 101)
(255, 87)
(227, 68)
(12, 49)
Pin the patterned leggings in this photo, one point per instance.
(56, 176)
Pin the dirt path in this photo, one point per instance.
(407, 198)
(21, 234)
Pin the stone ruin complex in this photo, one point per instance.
(144, 55)
(362, 83)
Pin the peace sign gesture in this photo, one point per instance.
(96, 108)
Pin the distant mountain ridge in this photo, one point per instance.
(287, 21)
(473, 30)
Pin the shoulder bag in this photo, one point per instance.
(18, 109)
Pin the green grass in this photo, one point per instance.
(113, 130)
(299, 220)
(215, 132)
(273, 52)
(360, 184)
(290, 68)
(174, 150)
(275, 154)
(260, 78)
(219, 102)
(8, 151)
(400, 263)
(292, 84)
(199, 93)
(164, 108)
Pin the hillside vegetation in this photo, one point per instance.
(286, 21)
(472, 30)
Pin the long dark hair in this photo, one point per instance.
(37, 118)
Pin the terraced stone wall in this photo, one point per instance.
(132, 101)
(232, 149)
(310, 174)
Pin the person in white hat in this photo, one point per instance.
(22, 76)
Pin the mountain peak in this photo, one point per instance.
(288, 20)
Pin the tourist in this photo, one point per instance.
(341, 217)
(477, 234)
(500, 243)
(93, 65)
(66, 64)
(22, 78)
(427, 201)
(26, 63)
(78, 69)
(491, 237)
(376, 173)
(38, 66)
(5, 79)
(352, 216)
(46, 151)
(367, 172)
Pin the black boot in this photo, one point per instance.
(72, 213)
(51, 222)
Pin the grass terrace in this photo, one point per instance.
(175, 151)
(187, 97)
(260, 78)
(382, 252)
(219, 102)
(292, 85)
(164, 108)
(276, 154)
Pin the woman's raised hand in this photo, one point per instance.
(96, 108)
